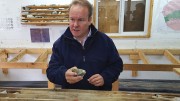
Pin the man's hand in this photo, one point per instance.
(96, 80)
(72, 77)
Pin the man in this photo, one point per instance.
(83, 46)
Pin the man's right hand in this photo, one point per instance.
(71, 77)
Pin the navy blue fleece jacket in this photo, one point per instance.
(98, 56)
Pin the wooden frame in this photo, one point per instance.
(118, 35)
(134, 54)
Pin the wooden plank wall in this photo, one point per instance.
(134, 54)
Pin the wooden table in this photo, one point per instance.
(177, 70)
(39, 94)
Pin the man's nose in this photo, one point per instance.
(76, 23)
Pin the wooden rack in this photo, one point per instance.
(134, 54)
(45, 15)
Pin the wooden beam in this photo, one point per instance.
(3, 53)
(37, 50)
(134, 57)
(51, 85)
(151, 67)
(139, 67)
(28, 50)
(115, 86)
(3, 58)
(50, 51)
(177, 70)
(121, 51)
(24, 65)
(143, 57)
(18, 56)
(1, 50)
(174, 51)
(150, 19)
(13, 50)
(171, 57)
(43, 58)
(94, 13)
(4, 70)
(148, 51)
(134, 72)
(127, 51)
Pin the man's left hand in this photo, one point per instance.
(96, 80)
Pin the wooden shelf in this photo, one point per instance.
(45, 23)
(53, 15)
(31, 11)
(45, 18)
(45, 15)
(48, 6)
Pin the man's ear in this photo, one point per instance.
(90, 20)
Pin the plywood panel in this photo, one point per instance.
(108, 16)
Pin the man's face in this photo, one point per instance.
(79, 21)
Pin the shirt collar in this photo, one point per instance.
(83, 42)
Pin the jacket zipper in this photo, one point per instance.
(84, 57)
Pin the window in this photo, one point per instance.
(124, 18)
